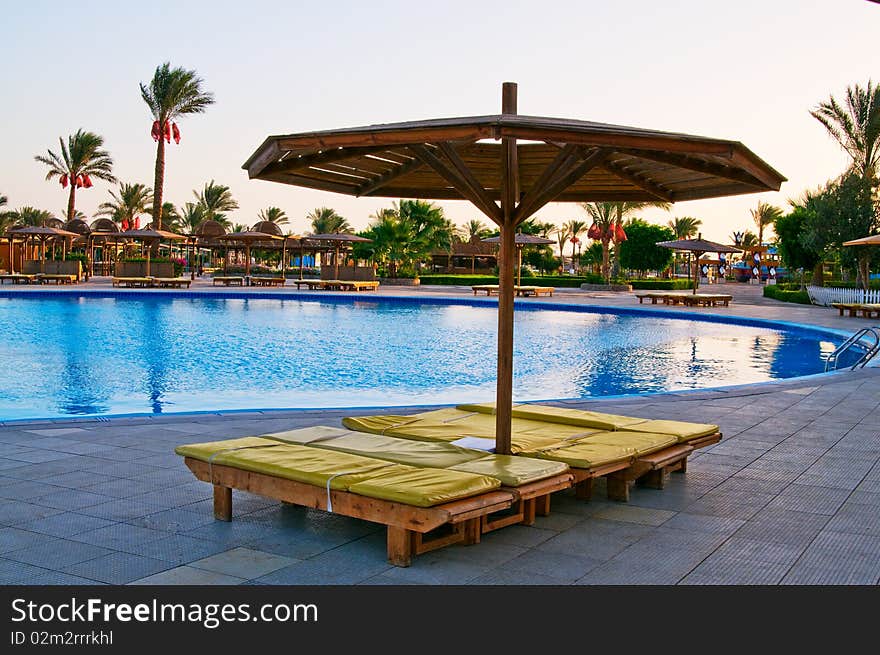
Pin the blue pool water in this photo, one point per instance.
(72, 356)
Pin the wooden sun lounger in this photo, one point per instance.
(653, 296)
(488, 288)
(350, 285)
(229, 281)
(868, 310)
(131, 282)
(707, 300)
(311, 284)
(535, 291)
(267, 281)
(47, 278)
(409, 528)
(172, 282)
(18, 278)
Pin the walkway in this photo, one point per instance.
(791, 495)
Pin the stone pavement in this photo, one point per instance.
(791, 496)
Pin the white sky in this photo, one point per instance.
(747, 70)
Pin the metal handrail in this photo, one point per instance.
(856, 340)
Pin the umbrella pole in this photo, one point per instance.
(301, 257)
(148, 261)
(336, 262)
(247, 263)
(11, 258)
(519, 265)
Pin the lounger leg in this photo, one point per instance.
(222, 503)
(473, 530)
(542, 505)
(583, 490)
(683, 467)
(529, 512)
(399, 546)
(618, 488)
(654, 479)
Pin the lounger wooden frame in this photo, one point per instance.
(267, 281)
(409, 528)
(132, 282)
(229, 280)
(688, 299)
(172, 282)
(18, 278)
(852, 309)
(47, 278)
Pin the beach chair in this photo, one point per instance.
(228, 280)
(851, 308)
(131, 282)
(172, 282)
(422, 508)
(18, 278)
(49, 278)
(653, 296)
(311, 284)
(489, 289)
(261, 281)
(534, 291)
(707, 300)
(619, 448)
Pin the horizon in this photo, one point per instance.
(760, 96)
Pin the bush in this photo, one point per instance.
(548, 280)
(785, 295)
(660, 285)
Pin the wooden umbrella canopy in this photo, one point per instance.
(510, 166)
(149, 235)
(248, 239)
(521, 241)
(699, 247)
(337, 240)
(42, 234)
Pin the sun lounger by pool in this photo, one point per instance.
(350, 285)
(172, 282)
(853, 309)
(49, 278)
(688, 299)
(423, 508)
(18, 278)
(535, 291)
(141, 282)
(653, 296)
(622, 449)
(489, 289)
(228, 280)
(267, 281)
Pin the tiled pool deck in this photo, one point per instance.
(791, 496)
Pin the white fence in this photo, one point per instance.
(827, 295)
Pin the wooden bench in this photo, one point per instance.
(868, 310)
(411, 530)
(653, 296)
(311, 284)
(259, 281)
(172, 282)
(18, 278)
(707, 300)
(350, 285)
(48, 278)
(534, 291)
(488, 288)
(131, 282)
(228, 281)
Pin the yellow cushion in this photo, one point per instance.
(513, 471)
(306, 436)
(424, 487)
(403, 451)
(585, 455)
(682, 430)
(563, 415)
(204, 451)
(640, 443)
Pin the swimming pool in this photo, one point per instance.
(66, 355)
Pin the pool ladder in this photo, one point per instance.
(856, 340)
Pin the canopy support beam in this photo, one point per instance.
(368, 187)
(645, 185)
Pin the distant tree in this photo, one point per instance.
(764, 215)
(640, 251)
(81, 159)
(474, 228)
(170, 217)
(274, 215)
(684, 227)
(170, 94)
(130, 201)
(191, 217)
(215, 199)
(325, 220)
(30, 216)
(238, 227)
(790, 229)
(855, 125)
(575, 229)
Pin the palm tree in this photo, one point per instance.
(749, 239)
(132, 200)
(170, 217)
(215, 199)
(81, 159)
(684, 227)
(855, 125)
(172, 93)
(238, 227)
(428, 227)
(764, 214)
(474, 228)
(274, 215)
(561, 234)
(30, 216)
(326, 221)
(575, 228)
(604, 215)
(191, 217)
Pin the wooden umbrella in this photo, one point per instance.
(248, 239)
(521, 241)
(698, 247)
(42, 234)
(150, 235)
(337, 239)
(510, 166)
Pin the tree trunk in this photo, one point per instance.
(865, 271)
(605, 267)
(159, 179)
(818, 275)
(71, 200)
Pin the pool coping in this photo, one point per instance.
(225, 294)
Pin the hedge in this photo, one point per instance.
(548, 280)
(661, 285)
(785, 295)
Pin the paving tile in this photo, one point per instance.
(126, 508)
(13, 572)
(856, 518)
(13, 512)
(71, 499)
(555, 568)
(118, 568)
(187, 575)
(783, 526)
(838, 558)
(57, 553)
(631, 514)
(173, 520)
(27, 490)
(434, 569)
(243, 563)
(12, 539)
(704, 523)
(520, 535)
(178, 549)
(816, 500)
(349, 564)
(760, 551)
(731, 571)
(65, 524)
(121, 487)
(81, 479)
(120, 536)
(596, 538)
(730, 504)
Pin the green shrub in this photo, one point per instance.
(785, 295)
(546, 280)
(661, 285)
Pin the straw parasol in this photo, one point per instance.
(248, 239)
(698, 247)
(873, 240)
(148, 236)
(337, 240)
(521, 241)
(42, 234)
(509, 167)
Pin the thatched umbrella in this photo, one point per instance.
(149, 236)
(42, 234)
(524, 162)
(337, 240)
(864, 261)
(248, 239)
(698, 247)
(522, 240)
